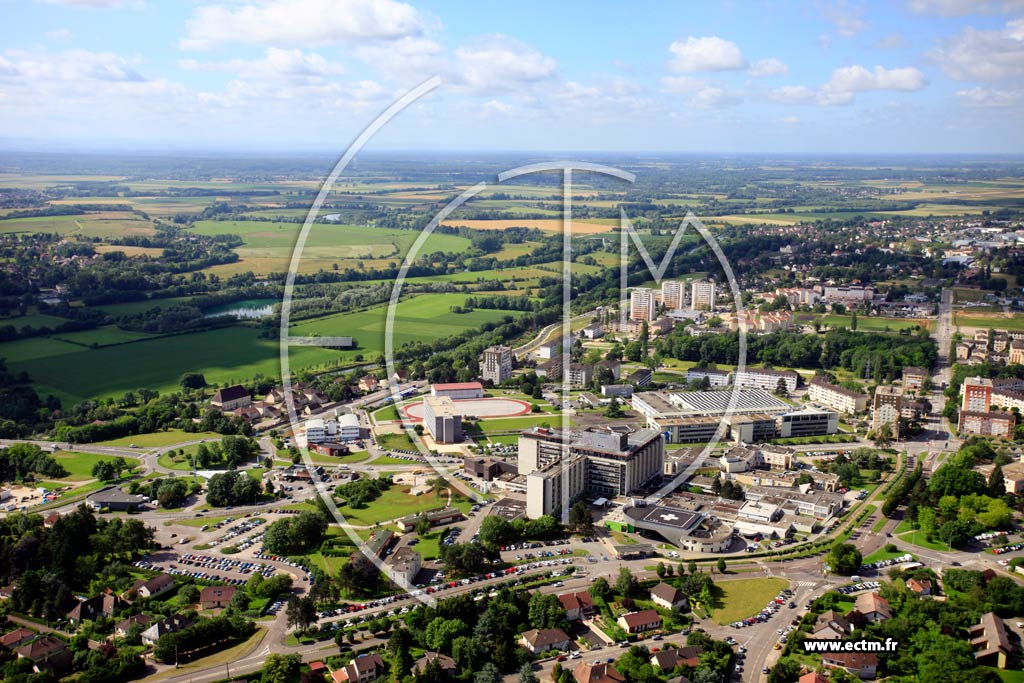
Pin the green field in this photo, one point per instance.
(79, 465)
(993, 321)
(102, 336)
(870, 324)
(423, 318)
(745, 597)
(35, 320)
(269, 246)
(225, 356)
(394, 504)
(157, 439)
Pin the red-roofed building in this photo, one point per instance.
(813, 677)
(638, 622)
(577, 605)
(862, 664)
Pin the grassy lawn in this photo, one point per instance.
(903, 527)
(883, 555)
(509, 424)
(158, 439)
(745, 597)
(79, 465)
(871, 323)
(1010, 676)
(989, 320)
(386, 413)
(217, 659)
(201, 521)
(919, 540)
(395, 503)
(392, 441)
(877, 526)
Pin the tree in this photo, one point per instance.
(997, 483)
(721, 565)
(192, 380)
(580, 519)
(440, 633)
(844, 558)
(489, 673)
(600, 589)
(280, 668)
(692, 567)
(526, 674)
(614, 410)
(301, 612)
(883, 436)
(660, 570)
(626, 584)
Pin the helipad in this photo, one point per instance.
(475, 407)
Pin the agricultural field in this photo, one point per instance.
(998, 321)
(226, 355)
(100, 224)
(875, 324)
(268, 246)
(587, 227)
(425, 317)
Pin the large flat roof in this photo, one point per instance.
(661, 515)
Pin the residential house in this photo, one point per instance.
(989, 640)
(862, 664)
(163, 627)
(812, 677)
(47, 653)
(542, 640)
(103, 605)
(230, 398)
(596, 672)
(16, 638)
(670, 658)
(364, 668)
(213, 597)
(143, 621)
(577, 606)
(150, 588)
(873, 607)
(638, 622)
(831, 625)
(368, 384)
(446, 663)
(668, 596)
(920, 586)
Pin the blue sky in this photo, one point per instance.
(918, 76)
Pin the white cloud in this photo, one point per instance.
(986, 98)
(790, 120)
(771, 66)
(95, 4)
(58, 35)
(849, 22)
(72, 66)
(791, 94)
(275, 64)
(958, 8)
(983, 55)
(408, 59)
(709, 53)
(892, 41)
(302, 22)
(499, 63)
(701, 94)
(848, 80)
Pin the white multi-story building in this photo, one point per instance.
(765, 379)
(673, 295)
(442, 420)
(836, 397)
(643, 304)
(716, 378)
(611, 463)
(702, 296)
(496, 364)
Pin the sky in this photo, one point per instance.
(815, 77)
